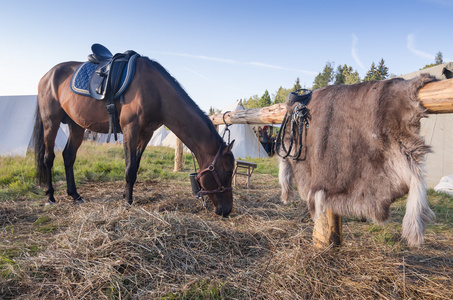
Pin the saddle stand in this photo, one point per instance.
(106, 81)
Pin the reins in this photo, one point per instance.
(299, 117)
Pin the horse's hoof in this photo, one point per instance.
(79, 200)
(49, 203)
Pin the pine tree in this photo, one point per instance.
(383, 71)
(340, 76)
(297, 85)
(439, 58)
(324, 78)
(352, 77)
(346, 75)
(372, 73)
(281, 96)
(252, 102)
(265, 100)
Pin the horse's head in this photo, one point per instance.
(216, 181)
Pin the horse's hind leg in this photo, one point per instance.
(69, 155)
(50, 133)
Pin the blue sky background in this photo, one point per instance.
(221, 51)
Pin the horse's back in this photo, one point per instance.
(56, 76)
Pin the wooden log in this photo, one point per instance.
(327, 230)
(437, 97)
(267, 115)
(178, 156)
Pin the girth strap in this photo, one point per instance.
(114, 84)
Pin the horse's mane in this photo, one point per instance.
(177, 86)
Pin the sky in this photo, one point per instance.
(222, 51)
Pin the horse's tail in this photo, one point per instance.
(418, 212)
(285, 178)
(38, 144)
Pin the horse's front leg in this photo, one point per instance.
(130, 154)
(69, 156)
(134, 146)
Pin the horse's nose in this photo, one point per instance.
(224, 212)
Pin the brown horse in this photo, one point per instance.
(153, 98)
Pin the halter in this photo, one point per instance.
(211, 168)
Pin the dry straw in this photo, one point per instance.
(168, 246)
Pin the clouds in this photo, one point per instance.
(232, 61)
(354, 52)
(410, 44)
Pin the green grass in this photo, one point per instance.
(94, 163)
(101, 163)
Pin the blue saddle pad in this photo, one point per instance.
(81, 78)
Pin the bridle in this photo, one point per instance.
(299, 118)
(220, 188)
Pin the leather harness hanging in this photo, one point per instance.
(299, 116)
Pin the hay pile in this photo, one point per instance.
(169, 246)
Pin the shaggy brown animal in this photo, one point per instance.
(363, 151)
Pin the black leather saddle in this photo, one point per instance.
(106, 81)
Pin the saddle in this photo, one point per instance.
(108, 74)
(105, 77)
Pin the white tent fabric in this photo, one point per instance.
(16, 125)
(158, 137)
(437, 130)
(246, 144)
(170, 141)
(445, 185)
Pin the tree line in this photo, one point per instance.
(343, 74)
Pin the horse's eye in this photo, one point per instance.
(229, 174)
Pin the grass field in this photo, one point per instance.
(170, 246)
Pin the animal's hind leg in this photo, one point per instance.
(50, 133)
(69, 155)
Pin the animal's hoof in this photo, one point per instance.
(79, 200)
(48, 202)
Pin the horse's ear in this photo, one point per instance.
(229, 147)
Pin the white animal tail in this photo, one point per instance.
(285, 178)
(418, 212)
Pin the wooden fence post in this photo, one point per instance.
(178, 156)
(327, 230)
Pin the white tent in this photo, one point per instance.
(170, 141)
(437, 130)
(246, 144)
(158, 137)
(17, 115)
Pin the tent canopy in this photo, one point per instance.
(17, 115)
(246, 144)
(158, 137)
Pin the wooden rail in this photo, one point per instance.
(437, 97)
